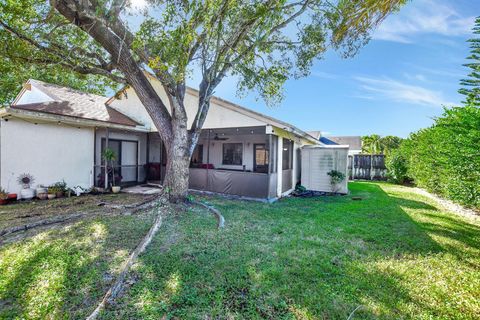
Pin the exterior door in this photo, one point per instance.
(129, 161)
(260, 160)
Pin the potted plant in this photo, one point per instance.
(12, 196)
(61, 188)
(52, 192)
(25, 180)
(109, 156)
(41, 192)
(3, 196)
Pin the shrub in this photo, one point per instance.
(445, 158)
(397, 170)
(335, 178)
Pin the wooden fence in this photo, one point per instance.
(367, 167)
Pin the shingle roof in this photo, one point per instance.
(74, 103)
(355, 142)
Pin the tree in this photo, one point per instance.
(375, 144)
(389, 144)
(471, 85)
(371, 144)
(263, 43)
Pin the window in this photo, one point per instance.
(232, 154)
(260, 161)
(287, 155)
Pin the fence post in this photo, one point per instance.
(371, 167)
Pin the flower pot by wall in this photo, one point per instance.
(41, 190)
(42, 196)
(3, 202)
(51, 196)
(27, 193)
(59, 194)
(116, 189)
(12, 196)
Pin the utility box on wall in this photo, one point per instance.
(318, 161)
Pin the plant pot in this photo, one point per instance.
(3, 202)
(12, 196)
(51, 196)
(59, 194)
(116, 189)
(42, 196)
(27, 193)
(41, 190)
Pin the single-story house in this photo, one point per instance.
(56, 133)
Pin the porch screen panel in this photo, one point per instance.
(287, 156)
(232, 154)
(129, 161)
(273, 153)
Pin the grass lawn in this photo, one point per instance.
(62, 271)
(394, 253)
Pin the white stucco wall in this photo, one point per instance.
(218, 116)
(49, 152)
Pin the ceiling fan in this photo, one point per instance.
(218, 138)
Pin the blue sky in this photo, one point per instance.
(395, 85)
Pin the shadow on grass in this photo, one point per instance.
(63, 273)
(304, 258)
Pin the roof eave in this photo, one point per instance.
(33, 115)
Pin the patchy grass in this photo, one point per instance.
(394, 253)
(23, 212)
(63, 273)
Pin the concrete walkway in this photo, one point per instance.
(143, 189)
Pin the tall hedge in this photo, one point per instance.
(445, 158)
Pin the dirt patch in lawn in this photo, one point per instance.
(23, 213)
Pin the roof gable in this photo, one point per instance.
(38, 96)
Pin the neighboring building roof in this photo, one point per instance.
(355, 142)
(74, 103)
(316, 134)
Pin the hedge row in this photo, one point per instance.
(445, 158)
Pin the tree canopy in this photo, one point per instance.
(471, 85)
(262, 42)
(375, 144)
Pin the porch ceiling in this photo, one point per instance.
(234, 131)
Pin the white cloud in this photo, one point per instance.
(393, 90)
(426, 17)
(415, 77)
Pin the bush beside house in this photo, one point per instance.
(445, 158)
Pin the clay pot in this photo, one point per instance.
(3, 202)
(116, 189)
(12, 196)
(59, 194)
(42, 196)
(51, 196)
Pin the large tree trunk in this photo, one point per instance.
(172, 128)
(178, 163)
